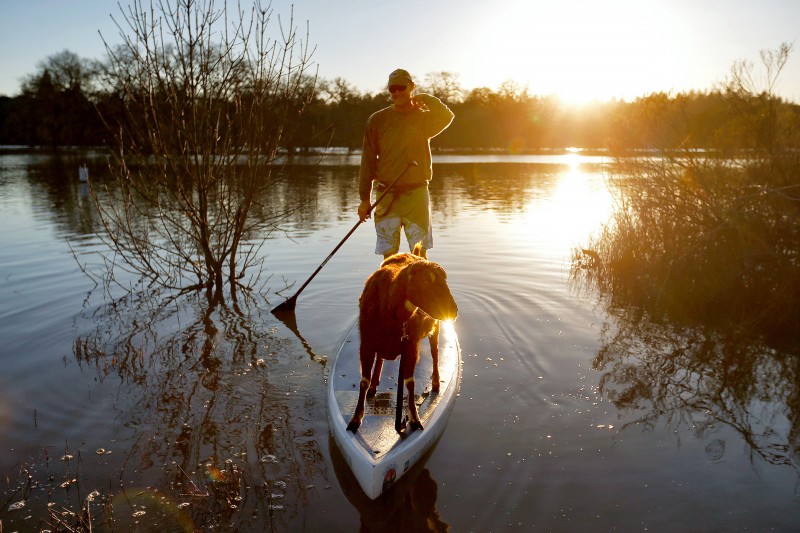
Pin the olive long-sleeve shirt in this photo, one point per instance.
(393, 138)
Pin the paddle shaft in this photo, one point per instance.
(290, 303)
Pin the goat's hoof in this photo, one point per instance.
(353, 426)
(417, 425)
(435, 386)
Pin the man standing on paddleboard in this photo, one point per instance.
(395, 136)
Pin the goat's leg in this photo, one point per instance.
(376, 378)
(367, 360)
(434, 342)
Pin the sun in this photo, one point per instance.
(578, 51)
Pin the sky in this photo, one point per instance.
(580, 50)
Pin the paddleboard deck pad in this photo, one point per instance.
(376, 453)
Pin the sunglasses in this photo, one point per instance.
(397, 88)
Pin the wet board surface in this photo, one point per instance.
(377, 454)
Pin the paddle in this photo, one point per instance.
(291, 303)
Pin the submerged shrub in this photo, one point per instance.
(700, 240)
(712, 237)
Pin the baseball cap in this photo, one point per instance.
(400, 77)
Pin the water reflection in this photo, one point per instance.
(218, 410)
(410, 506)
(701, 382)
(205, 407)
(481, 187)
(51, 186)
(314, 197)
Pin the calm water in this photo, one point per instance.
(568, 419)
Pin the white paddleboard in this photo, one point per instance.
(377, 454)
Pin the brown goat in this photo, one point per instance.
(402, 303)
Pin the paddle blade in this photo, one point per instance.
(287, 306)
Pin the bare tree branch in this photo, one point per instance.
(207, 96)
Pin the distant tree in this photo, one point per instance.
(444, 85)
(334, 111)
(16, 127)
(205, 97)
(55, 106)
(338, 91)
(68, 71)
(761, 119)
(344, 111)
(474, 126)
(513, 91)
(545, 118)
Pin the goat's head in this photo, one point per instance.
(428, 290)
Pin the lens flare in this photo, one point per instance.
(215, 474)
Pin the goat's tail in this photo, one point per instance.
(417, 249)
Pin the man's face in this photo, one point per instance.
(400, 91)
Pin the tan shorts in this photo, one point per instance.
(411, 211)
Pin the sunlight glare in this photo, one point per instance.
(573, 158)
(578, 208)
(578, 51)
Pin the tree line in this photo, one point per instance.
(71, 101)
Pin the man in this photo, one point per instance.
(394, 136)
